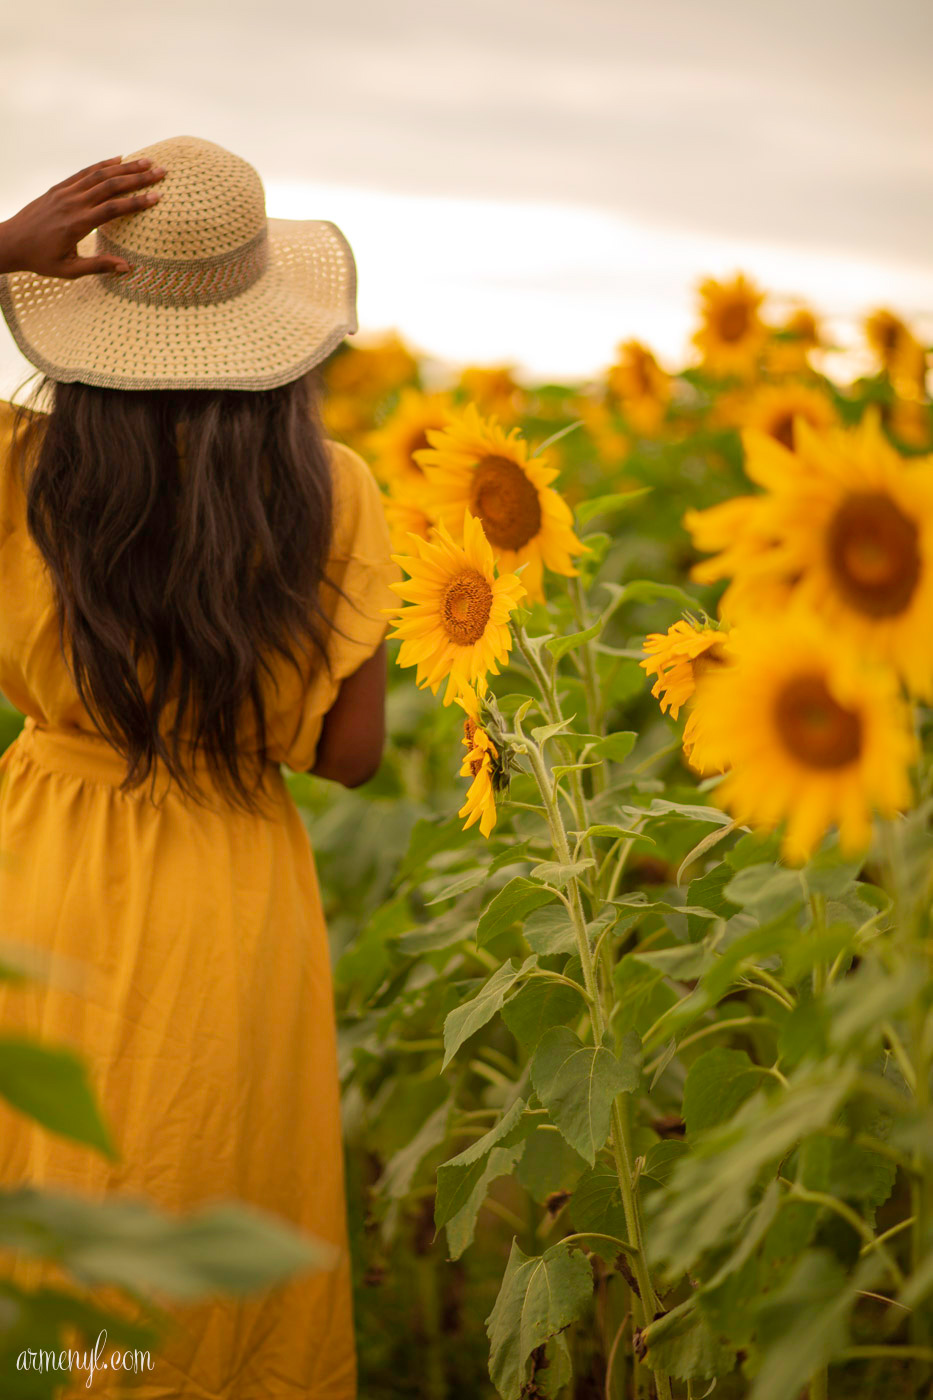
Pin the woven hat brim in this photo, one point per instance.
(290, 319)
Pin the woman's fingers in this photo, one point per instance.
(88, 169)
(113, 209)
(111, 187)
(108, 169)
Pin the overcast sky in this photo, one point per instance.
(526, 179)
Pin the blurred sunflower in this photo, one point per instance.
(814, 738)
(772, 409)
(910, 422)
(641, 386)
(390, 447)
(738, 534)
(473, 465)
(494, 390)
(405, 513)
(898, 351)
(346, 418)
(603, 426)
(458, 622)
(846, 527)
(791, 344)
(370, 368)
(732, 335)
(480, 763)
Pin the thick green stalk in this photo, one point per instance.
(646, 1305)
(551, 709)
(819, 1385)
(588, 673)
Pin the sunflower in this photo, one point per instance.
(738, 534)
(845, 526)
(772, 409)
(814, 737)
(641, 386)
(789, 349)
(603, 426)
(474, 465)
(732, 334)
(390, 447)
(494, 389)
(479, 764)
(371, 369)
(458, 624)
(677, 657)
(405, 513)
(910, 423)
(900, 354)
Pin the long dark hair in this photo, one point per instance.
(205, 569)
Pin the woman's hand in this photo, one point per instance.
(44, 236)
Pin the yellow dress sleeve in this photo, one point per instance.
(361, 567)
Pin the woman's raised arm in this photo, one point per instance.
(43, 237)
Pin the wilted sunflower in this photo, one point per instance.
(814, 737)
(474, 465)
(845, 527)
(641, 386)
(404, 510)
(458, 622)
(390, 447)
(772, 409)
(732, 334)
(480, 763)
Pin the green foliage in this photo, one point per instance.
(664, 1099)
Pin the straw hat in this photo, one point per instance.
(218, 295)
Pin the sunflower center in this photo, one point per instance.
(782, 429)
(707, 660)
(814, 727)
(874, 554)
(889, 335)
(733, 321)
(465, 607)
(506, 503)
(641, 376)
(418, 441)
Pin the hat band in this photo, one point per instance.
(193, 282)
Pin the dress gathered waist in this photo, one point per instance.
(90, 756)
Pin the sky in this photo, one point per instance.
(523, 181)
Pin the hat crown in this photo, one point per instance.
(212, 202)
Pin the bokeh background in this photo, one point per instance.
(526, 181)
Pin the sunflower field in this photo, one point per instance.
(632, 931)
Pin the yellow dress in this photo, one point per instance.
(204, 1008)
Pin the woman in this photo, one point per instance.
(192, 580)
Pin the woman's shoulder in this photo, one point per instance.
(15, 419)
(359, 518)
(352, 473)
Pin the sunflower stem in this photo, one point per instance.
(589, 674)
(910, 915)
(645, 1305)
(550, 705)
